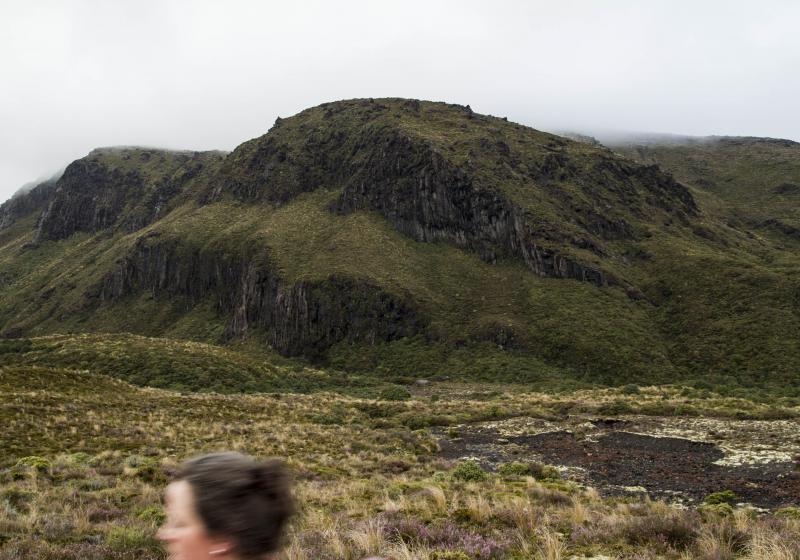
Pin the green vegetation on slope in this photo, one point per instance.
(755, 179)
(178, 365)
(698, 295)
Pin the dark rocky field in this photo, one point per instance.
(680, 460)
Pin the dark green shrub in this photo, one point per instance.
(789, 513)
(151, 473)
(380, 410)
(152, 514)
(469, 471)
(723, 497)
(30, 466)
(631, 389)
(722, 509)
(34, 462)
(514, 469)
(703, 385)
(540, 471)
(417, 421)
(18, 346)
(394, 393)
(130, 538)
(615, 407)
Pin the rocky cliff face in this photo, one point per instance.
(376, 210)
(127, 188)
(429, 196)
(88, 197)
(302, 319)
(429, 199)
(35, 200)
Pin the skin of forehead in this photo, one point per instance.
(180, 500)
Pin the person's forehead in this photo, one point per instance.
(179, 494)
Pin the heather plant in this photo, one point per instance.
(85, 459)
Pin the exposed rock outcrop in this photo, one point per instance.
(88, 197)
(357, 147)
(127, 188)
(430, 199)
(22, 204)
(631, 180)
(305, 318)
(247, 236)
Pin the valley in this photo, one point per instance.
(467, 338)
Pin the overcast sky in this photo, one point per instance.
(208, 75)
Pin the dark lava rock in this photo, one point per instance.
(665, 466)
(301, 319)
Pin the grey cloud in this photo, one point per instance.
(209, 75)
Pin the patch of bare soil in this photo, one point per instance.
(669, 458)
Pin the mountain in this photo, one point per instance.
(404, 237)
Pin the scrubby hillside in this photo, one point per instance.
(181, 365)
(410, 238)
(757, 180)
(84, 460)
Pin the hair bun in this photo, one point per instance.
(256, 478)
(266, 477)
(246, 500)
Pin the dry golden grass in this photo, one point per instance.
(366, 485)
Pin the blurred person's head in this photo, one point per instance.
(226, 506)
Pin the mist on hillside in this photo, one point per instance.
(213, 75)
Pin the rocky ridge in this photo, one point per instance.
(664, 277)
(304, 318)
(128, 188)
(426, 195)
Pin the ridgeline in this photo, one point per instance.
(408, 239)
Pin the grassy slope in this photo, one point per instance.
(504, 157)
(742, 284)
(745, 174)
(463, 295)
(178, 365)
(43, 285)
(723, 299)
(84, 460)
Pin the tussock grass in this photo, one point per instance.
(85, 458)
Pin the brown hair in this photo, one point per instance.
(241, 498)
